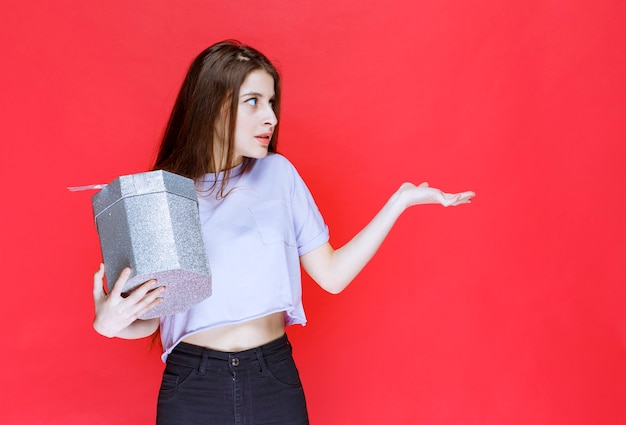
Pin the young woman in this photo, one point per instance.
(228, 359)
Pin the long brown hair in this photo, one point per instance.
(208, 99)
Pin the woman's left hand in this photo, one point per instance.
(411, 194)
(334, 269)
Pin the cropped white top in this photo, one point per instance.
(254, 237)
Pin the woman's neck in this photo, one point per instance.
(218, 168)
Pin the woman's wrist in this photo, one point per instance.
(398, 201)
(102, 329)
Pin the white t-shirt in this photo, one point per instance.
(254, 238)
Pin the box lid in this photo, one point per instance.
(141, 184)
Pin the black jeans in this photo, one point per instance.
(260, 386)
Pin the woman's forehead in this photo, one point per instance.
(258, 81)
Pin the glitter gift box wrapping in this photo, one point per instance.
(150, 223)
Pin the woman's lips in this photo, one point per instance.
(264, 138)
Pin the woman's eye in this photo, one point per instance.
(252, 101)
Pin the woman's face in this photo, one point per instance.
(255, 116)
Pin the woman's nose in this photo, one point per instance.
(271, 119)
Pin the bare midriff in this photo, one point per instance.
(241, 336)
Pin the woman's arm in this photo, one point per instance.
(333, 269)
(118, 316)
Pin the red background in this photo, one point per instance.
(507, 311)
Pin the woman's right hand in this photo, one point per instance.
(114, 313)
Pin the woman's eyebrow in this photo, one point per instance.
(253, 93)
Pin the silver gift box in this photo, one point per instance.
(150, 223)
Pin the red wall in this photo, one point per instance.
(507, 311)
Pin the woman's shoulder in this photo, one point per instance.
(276, 162)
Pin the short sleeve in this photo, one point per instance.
(310, 229)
